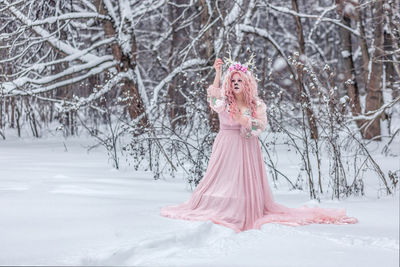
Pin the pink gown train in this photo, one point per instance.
(234, 191)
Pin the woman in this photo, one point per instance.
(234, 191)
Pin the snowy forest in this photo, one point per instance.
(133, 75)
(127, 79)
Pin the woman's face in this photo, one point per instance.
(237, 84)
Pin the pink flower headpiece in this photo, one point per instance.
(238, 66)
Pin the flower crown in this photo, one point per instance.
(238, 66)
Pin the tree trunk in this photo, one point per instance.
(391, 45)
(349, 70)
(176, 103)
(12, 122)
(209, 51)
(136, 106)
(374, 88)
(304, 97)
(364, 47)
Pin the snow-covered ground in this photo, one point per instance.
(60, 205)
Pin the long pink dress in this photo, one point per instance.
(234, 191)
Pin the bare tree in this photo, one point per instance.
(374, 98)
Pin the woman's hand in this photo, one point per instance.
(217, 65)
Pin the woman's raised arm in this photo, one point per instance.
(214, 96)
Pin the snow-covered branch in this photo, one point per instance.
(68, 16)
(54, 41)
(319, 18)
(188, 64)
(373, 114)
(16, 88)
(263, 33)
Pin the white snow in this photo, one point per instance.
(341, 76)
(303, 58)
(287, 82)
(279, 64)
(60, 205)
(344, 99)
(345, 53)
(349, 9)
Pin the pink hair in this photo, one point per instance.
(249, 91)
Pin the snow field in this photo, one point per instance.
(60, 205)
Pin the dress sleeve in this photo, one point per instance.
(215, 99)
(256, 124)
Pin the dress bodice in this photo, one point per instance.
(227, 123)
(256, 122)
